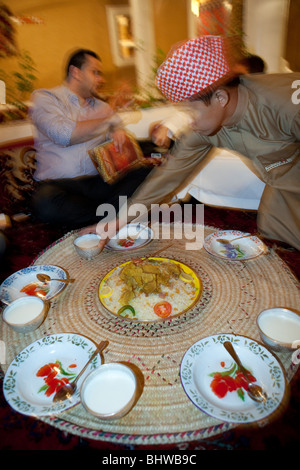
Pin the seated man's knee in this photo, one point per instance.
(45, 203)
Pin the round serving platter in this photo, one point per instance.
(181, 296)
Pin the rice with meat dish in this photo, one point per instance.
(177, 288)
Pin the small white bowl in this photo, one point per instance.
(109, 392)
(279, 328)
(87, 246)
(26, 314)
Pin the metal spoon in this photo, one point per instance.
(140, 230)
(223, 241)
(67, 390)
(254, 391)
(46, 278)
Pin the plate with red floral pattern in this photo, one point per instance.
(24, 282)
(37, 372)
(131, 237)
(215, 385)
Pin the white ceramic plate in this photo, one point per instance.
(11, 288)
(123, 242)
(208, 356)
(28, 393)
(243, 249)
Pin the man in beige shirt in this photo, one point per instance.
(255, 115)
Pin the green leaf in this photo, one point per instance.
(62, 371)
(241, 393)
(230, 371)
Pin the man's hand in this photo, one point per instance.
(104, 229)
(118, 136)
(159, 135)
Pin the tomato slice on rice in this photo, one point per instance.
(163, 309)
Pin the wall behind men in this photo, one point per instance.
(70, 24)
(65, 26)
(292, 52)
(170, 22)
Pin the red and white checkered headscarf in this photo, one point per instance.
(192, 67)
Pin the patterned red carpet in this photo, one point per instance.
(18, 432)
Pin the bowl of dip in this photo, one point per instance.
(26, 314)
(109, 392)
(279, 328)
(87, 246)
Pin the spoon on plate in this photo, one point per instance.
(46, 278)
(140, 229)
(67, 390)
(254, 391)
(223, 241)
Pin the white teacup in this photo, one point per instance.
(110, 391)
(87, 246)
(26, 313)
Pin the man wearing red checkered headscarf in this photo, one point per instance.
(257, 116)
(178, 77)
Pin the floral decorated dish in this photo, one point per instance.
(215, 385)
(239, 250)
(131, 237)
(25, 282)
(37, 373)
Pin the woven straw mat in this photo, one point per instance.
(233, 295)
